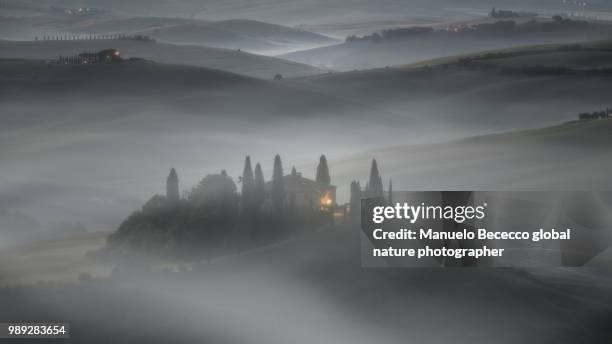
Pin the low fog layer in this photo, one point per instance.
(312, 289)
(83, 145)
(100, 139)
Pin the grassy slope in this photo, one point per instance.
(250, 35)
(238, 27)
(552, 158)
(146, 84)
(587, 55)
(448, 93)
(228, 60)
(365, 55)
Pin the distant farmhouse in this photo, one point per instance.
(603, 114)
(304, 195)
(102, 56)
(300, 196)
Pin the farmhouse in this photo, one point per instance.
(304, 195)
(102, 56)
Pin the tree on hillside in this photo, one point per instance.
(375, 185)
(248, 185)
(278, 186)
(323, 171)
(259, 193)
(172, 186)
(355, 201)
(215, 189)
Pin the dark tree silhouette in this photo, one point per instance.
(390, 199)
(217, 189)
(278, 186)
(323, 171)
(375, 185)
(172, 186)
(248, 185)
(259, 193)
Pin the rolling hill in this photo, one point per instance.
(248, 35)
(571, 156)
(140, 116)
(201, 120)
(404, 46)
(519, 88)
(223, 59)
(578, 56)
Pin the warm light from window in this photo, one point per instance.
(326, 200)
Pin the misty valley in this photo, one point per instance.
(177, 171)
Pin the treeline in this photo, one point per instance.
(501, 28)
(213, 217)
(584, 116)
(495, 13)
(93, 37)
(390, 34)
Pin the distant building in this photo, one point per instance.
(102, 56)
(304, 195)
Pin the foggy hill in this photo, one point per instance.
(404, 47)
(228, 60)
(249, 35)
(186, 87)
(139, 117)
(577, 56)
(571, 156)
(518, 88)
(200, 120)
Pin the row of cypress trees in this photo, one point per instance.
(91, 37)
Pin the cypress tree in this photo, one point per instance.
(355, 201)
(278, 185)
(248, 184)
(375, 186)
(172, 186)
(323, 171)
(259, 193)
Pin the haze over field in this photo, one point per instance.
(100, 99)
(322, 286)
(161, 116)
